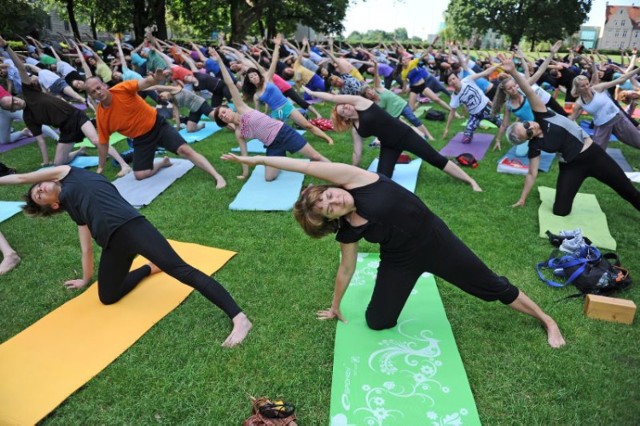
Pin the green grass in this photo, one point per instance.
(177, 373)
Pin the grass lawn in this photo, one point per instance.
(177, 373)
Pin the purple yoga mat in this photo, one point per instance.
(81, 107)
(21, 142)
(478, 146)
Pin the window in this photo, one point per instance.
(624, 33)
(617, 34)
(622, 45)
(622, 23)
(615, 23)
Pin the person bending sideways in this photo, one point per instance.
(363, 205)
(101, 213)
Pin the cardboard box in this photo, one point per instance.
(609, 309)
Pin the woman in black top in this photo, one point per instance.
(365, 119)
(580, 158)
(102, 214)
(412, 240)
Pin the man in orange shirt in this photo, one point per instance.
(120, 109)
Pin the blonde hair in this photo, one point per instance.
(312, 221)
(574, 84)
(340, 123)
(501, 96)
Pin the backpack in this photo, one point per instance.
(435, 115)
(581, 264)
(467, 160)
(4, 170)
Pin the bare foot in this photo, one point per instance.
(124, 171)
(330, 141)
(431, 138)
(241, 177)
(166, 162)
(554, 337)
(154, 268)
(475, 187)
(9, 262)
(220, 182)
(241, 327)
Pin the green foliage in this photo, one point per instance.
(535, 19)
(20, 17)
(376, 36)
(177, 373)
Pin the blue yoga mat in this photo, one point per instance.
(260, 195)
(84, 162)
(256, 147)
(585, 126)
(405, 175)
(210, 127)
(9, 208)
(546, 160)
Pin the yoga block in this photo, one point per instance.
(609, 309)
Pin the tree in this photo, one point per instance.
(20, 17)
(537, 19)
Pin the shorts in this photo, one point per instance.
(205, 109)
(71, 130)
(287, 139)
(283, 112)
(409, 115)
(144, 147)
(58, 86)
(418, 88)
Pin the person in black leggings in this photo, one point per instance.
(580, 158)
(365, 119)
(102, 214)
(412, 240)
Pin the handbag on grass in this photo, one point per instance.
(271, 413)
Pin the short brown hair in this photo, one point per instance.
(217, 118)
(36, 210)
(309, 217)
(340, 123)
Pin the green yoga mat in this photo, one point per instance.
(484, 124)
(113, 139)
(409, 375)
(586, 214)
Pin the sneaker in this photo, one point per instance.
(466, 140)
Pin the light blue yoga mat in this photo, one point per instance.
(584, 124)
(259, 195)
(405, 175)
(618, 157)
(409, 375)
(210, 127)
(546, 160)
(9, 208)
(256, 147)
(83, 161)
(140, 193)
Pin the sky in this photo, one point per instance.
(423, 17)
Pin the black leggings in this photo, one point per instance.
(138, 236)
(445, 256)
(412, 142)
(295, 97)
(593, 162)
(556, 107)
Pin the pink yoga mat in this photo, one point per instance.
(478, 146)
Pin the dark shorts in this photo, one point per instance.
(419, 88)
(71, 131)
(145, 146)
(58, 86)
(205, 109)
(287, 139)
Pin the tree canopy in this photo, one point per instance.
(536, 20)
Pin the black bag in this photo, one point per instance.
(4, 170)
(435, 115)
(467, 160)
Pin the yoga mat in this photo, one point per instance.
(405, 175)
(81, 107)
(633, 176)
(257, 147)
(140, 193)
(113, 139)
(546, 160)
(210, 127)
(84, 161)
(584, 124)
(17, 144)
(409, 375)
(586, 214)
(259, 195)
(9, 208)
(478, 146)
(44, 364)
(421, 110)
(484, 124)
(618, 157)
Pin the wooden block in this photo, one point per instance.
(609, 309)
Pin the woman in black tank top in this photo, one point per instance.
(412, 239)
(123, 233)
(365, 119)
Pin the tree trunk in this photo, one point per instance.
(72, 20)
(139, 19)
(158, 14)
(94, 25)
(242, 17)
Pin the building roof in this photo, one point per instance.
(632, 11)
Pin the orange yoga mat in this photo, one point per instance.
(44, 364)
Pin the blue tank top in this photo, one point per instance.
(523, 112)
(272, 96)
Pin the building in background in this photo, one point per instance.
(621, 28)
(589, 36)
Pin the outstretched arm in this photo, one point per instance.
(86, 247)
(42, 175)
(83, 62)
(343, 277)
(507, 65)
(24, 75)
(543, 67)
(357, 101)
(233, 89)
(600, 87)
(337, 173)
(274, 58)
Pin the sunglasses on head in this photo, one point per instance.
(527, 127)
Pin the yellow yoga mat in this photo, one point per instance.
(44, 364)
